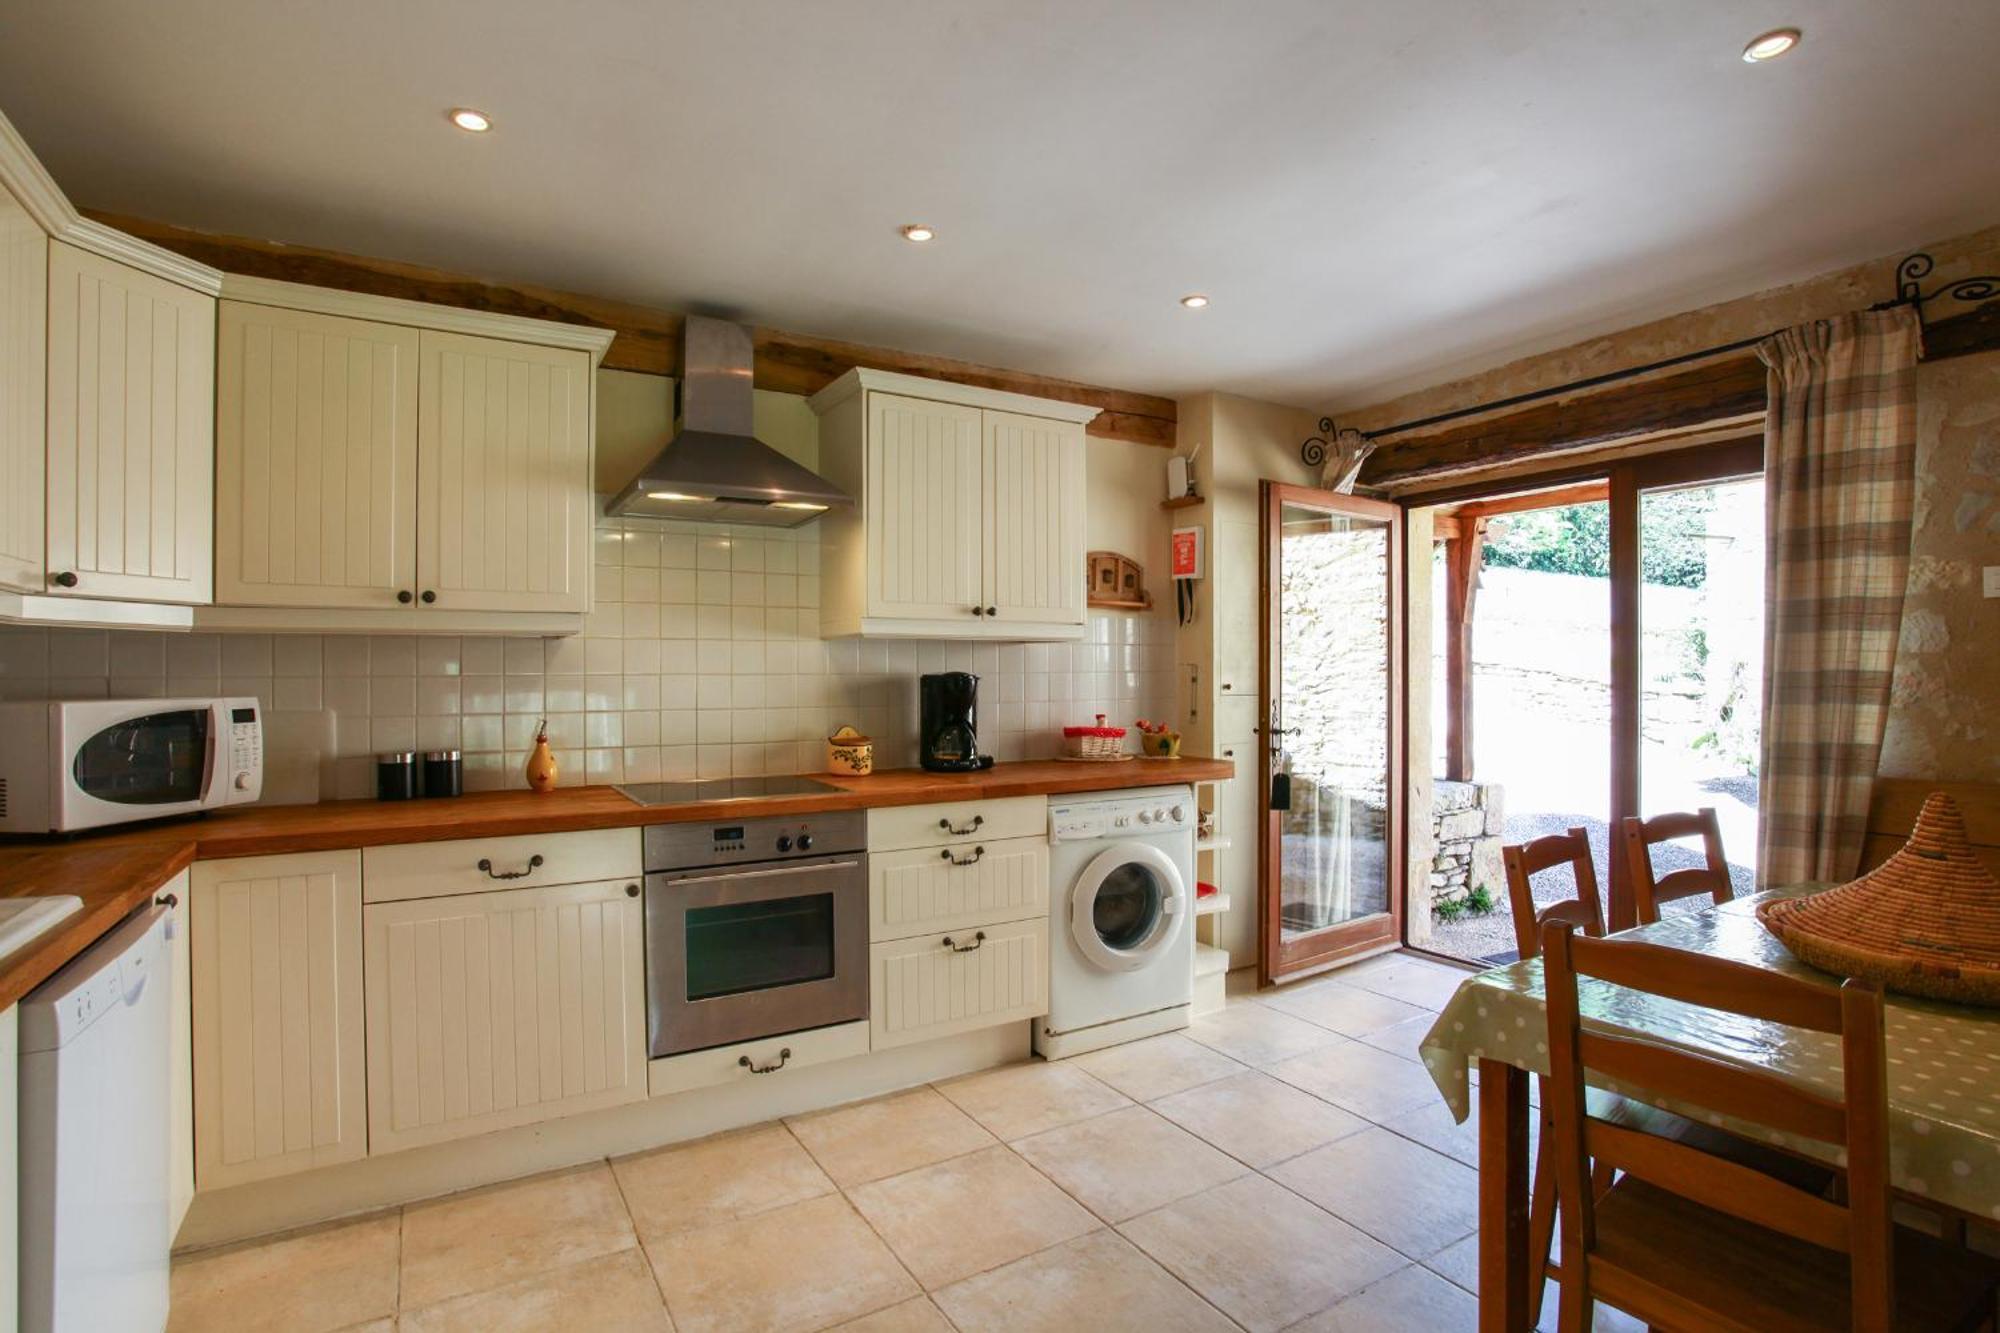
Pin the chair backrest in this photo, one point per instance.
(1526, 860)
(1856, 1122)
(1650, 890)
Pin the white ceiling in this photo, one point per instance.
(1376, 193)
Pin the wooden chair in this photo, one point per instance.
(1650, 890)
(1522, 863)
(1688, 1240)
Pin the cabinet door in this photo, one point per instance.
(276, 962)
(958, 981)
(923, 506)
(1035, 530)
(180, 1058)
(315, 460)
(24, 322)
(494, 1009)
(131, 432)
(504, 504)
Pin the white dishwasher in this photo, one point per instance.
(95, 1109)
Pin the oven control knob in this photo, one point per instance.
(805, 842)
(784, 842)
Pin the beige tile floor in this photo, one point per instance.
(1282, 1164)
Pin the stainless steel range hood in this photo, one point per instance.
(715, 470)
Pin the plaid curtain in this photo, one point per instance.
(1840, 446)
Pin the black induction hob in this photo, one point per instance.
(723, 789)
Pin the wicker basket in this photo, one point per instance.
(1098, 742)
(1925, 922)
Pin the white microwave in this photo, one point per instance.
(87, 763)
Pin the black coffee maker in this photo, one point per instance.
(948, 737)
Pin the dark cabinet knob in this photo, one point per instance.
(429, 597)
(992, 610)
(404, 597)
(978, 610)
(631, 890)
(65, 580)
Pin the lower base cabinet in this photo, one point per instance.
(940, 985)
(276, 968)
(489, 1010)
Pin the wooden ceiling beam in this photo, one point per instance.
(1583, 492)
(648, 340)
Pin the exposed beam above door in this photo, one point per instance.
(648, 340)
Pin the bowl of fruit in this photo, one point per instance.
(1158, 740)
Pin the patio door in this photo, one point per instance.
(1332, 765)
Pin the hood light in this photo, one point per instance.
(679, 498)
(796, 504)
(1771, 45)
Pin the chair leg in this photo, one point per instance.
(1541, 1227)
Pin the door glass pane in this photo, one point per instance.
(1333, 697)
(153, 760)
(1127, 907)
(742, 947)
(1701, 564)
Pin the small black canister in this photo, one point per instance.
(395, 776)
(444, 773)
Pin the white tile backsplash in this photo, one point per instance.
(702, 659)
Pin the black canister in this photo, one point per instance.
(444, 773)
(395, 776)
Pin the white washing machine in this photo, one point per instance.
(1121, 918)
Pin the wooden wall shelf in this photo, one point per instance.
(1184, 502)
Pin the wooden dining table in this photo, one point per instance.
(1943, 1080)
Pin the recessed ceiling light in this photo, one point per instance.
(1194, 301)
(1771, 45)
(677, 496)
(919, 233)
(472, 122)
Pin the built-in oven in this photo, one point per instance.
(755, 927)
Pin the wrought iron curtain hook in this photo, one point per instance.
(1313, 451)
(1910, 275)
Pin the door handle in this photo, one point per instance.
(957, 832)
(972, 860)
(784, 1055)
(978, 938)
(534, 864)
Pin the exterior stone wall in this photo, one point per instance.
(1466, 822)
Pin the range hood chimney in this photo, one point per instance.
(715, 470)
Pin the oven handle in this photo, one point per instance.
(800, 868)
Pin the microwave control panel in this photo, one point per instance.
(244, 739)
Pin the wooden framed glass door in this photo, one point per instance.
(1331, 882)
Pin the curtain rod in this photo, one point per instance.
(1909, 291)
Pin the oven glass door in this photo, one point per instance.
(158, 759)
(737, 955)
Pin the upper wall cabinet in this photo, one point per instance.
(315, 459)
(389, 465)
(107, 412)
(970, 522)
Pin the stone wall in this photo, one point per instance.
(1466, 822)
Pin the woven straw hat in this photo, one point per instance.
(1924, 922)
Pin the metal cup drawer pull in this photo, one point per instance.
(534, 864)
(784, 1054)
(978, 938)
(973, 827)
(972, 860)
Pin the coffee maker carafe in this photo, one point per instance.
(948, 738)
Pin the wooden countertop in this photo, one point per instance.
(114, 873)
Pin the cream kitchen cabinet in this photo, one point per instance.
(315, 459)
(393, 466)
(487, 1010)
(970, 521)
(131, 431)
(24, 318)
(943, 984)
(275, 945)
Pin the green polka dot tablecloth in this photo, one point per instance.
(1944, 1060)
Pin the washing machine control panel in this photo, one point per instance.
(1159, 812)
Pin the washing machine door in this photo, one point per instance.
(1126, 906)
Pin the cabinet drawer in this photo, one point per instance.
(924, 987)
(925, 889)
(773, 1055)
(951, 823)
(496, 1009)
(441, 869)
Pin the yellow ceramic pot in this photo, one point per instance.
(850, 754)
